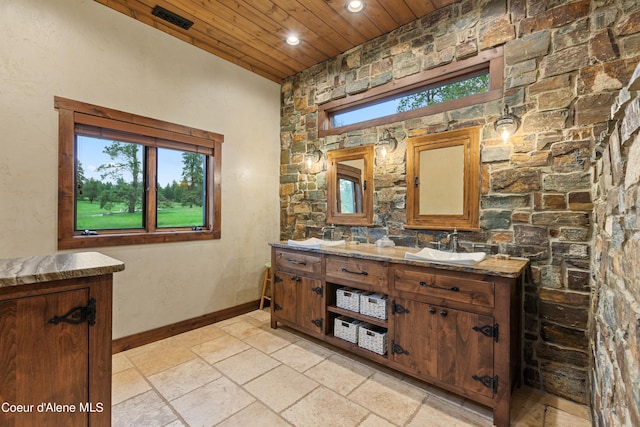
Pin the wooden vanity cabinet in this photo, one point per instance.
(457, 329)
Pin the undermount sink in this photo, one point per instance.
(428, 254)
(315, 242)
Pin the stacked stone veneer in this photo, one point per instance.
(616, 266)
(564, 65)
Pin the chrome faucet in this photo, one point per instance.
(330, 229)
(453, 240)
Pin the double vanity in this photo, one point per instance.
(456, 325)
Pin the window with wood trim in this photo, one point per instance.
(125, 179)
(456, 85)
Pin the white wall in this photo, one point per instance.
(87, 52)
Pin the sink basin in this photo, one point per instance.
(315, 242)
(427, 254)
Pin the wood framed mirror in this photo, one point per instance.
(443, 180)
(350, 186)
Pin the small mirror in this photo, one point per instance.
(350, 186)
(443, 180)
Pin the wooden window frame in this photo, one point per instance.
(76, 117)
(491, 61)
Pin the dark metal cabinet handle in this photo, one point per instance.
(432, 310)
(363, 273)
(78, 315)
(428, 285)
(443, 313)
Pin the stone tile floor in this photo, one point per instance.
(240, 372)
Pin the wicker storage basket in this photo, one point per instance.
(348, 299)
(346, 328)
(373, 338)
(374, 305)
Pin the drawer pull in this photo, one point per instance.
(293, 261)
(443, 313)
(364, 273)
(432, 310)
(427, 285)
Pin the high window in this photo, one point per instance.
(127, 179)
(456, 85)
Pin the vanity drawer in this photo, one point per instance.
(298, 262)
(449, 287)
(373, 273)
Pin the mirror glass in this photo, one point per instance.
(350, 178)
(443, 180)
(350, 186)
(443, 169)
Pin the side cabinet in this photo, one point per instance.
(56, 353)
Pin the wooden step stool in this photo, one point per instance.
(265, 282)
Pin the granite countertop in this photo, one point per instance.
(491, 265)
(36, 269)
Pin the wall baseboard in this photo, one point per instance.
(142, 338)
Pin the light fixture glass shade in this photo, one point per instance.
(387, 143)
(293, 40)
(312, 156)
(507, 124)
(355, 6)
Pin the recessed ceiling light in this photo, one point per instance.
(355, 6)
(293, 40)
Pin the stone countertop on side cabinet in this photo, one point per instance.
(37, 269)
(512, 267)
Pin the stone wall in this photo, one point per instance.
(616, 266)
(564, 64)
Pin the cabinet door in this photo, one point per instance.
(42, 362)
(310, 305)
(440, 343)
(284, 296)
(415, 342)
(465, 355)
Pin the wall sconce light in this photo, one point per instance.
(507, 124)
(387, 143)
(312, 156)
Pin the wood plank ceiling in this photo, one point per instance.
(252, 33)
